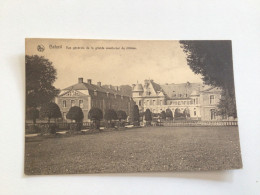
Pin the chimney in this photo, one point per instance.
(110, 86)
(117, 89)
(89, 81)
(99, 84)
(80, 80)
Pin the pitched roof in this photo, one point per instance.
(92, 87)
(185, 89)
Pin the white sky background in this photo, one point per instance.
(162, 61)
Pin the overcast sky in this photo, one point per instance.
(162, 61)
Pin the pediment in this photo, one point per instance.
(74, 93)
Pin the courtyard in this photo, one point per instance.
(145, 149)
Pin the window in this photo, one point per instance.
(184, 102)
(161, 102)
(64, 115)
(197, 100)
(95, 92)
(195, 113)
(72, 102)
(211, 99)
(140, 103)
(154, 102)
(170, 102)
(81, 104)
(212, 114)
(64, 104)
(179, 102)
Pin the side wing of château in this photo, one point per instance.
(199, 100)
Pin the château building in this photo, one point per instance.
(199, 100)
(88, 95)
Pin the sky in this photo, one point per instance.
(114, 62)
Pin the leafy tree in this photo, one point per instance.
(121, 115)
(75, 113)
(33, 114)
(95, 114)
(110, 114)
(40, 76)
(50, 110)
(163, 115)
(213, 60)
(186, 112)
(136, 116)
(148, 115)
(177, 113)
(169, 114)
(227, 105)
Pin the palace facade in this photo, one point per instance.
(199, 100)
(88, 95)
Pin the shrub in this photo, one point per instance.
(30, 129)
(169, 114)
(75, 113)
(136, 117)
(110, 114)
(32, 114)
(163, 115)
(95, 114)
(177, 113)
(148, 115)
(121, 115)
(50, 110)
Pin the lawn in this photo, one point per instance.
(136, 150)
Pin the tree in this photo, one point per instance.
(32, 114)
(227, 105)
(121, 115)
(169, 114)
(110, 114)
(163, 115)
(50, 110)
(136, 116)
(95, 114)
(148, 115)
(186, 112)
(75, 113)
(177, 113)
(40, 76)
(213, 60)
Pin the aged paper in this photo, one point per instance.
(112, 106)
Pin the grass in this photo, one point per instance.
(137, 150)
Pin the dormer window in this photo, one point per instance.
(95, 92)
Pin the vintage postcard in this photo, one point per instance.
(114, 106)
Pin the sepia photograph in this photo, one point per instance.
(128, 106)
